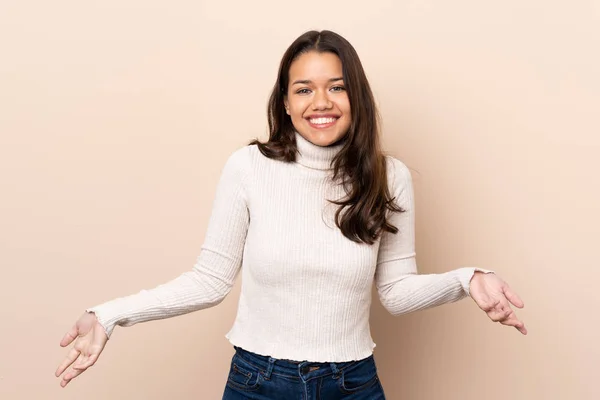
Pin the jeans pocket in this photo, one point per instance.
(243, 376)
(358, 376)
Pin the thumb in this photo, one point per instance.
(69, 336)
(513, 297)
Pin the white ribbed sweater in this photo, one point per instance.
(306, 289)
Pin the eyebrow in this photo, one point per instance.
(308, 82)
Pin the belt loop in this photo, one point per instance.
(335, 370)
(269, 368)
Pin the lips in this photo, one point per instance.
(322, 121)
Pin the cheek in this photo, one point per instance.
(347, 111)
(295, 107)
(296, 114)
(345, 106)
(297, 111)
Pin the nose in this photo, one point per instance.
(321, 101)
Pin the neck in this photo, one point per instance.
(316, 157)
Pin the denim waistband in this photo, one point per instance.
(293, 369)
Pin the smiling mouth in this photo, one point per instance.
(322, 122)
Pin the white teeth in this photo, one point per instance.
(320, 121)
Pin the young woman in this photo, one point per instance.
(312, 218)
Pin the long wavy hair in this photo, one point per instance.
(360, 165)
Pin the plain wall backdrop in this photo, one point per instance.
(116, 118)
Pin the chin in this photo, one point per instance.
(324, 139)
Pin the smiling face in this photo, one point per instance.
(316, 99)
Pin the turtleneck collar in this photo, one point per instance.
(316, 157)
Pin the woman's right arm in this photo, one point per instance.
(215, 270)
(205, 285)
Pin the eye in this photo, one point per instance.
(303, 91)
(338, 88)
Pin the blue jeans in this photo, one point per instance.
(257, 377)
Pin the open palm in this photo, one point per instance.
(90, 339)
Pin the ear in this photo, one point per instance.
(287, 105)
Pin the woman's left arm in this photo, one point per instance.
(402, 290)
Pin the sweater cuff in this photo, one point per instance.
(108, 325)
(466, 274)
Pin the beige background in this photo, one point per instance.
(116, 118)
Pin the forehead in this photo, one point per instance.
(316, 66)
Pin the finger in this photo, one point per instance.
(85, 362)
(518, 325)
(72, 356)
(69, 376)
(522, 329)
(499, 314)
(500, 311)
(490, 305)
(513, 297)
(512, 320)
(69, 336)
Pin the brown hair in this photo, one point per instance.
(360, 164)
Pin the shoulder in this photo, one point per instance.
(398, 174)
(241, 162)
(242, 157)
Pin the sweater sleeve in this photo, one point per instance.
(401, 290)
(215, 269)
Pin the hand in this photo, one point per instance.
(90, 340)
(494, 296)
